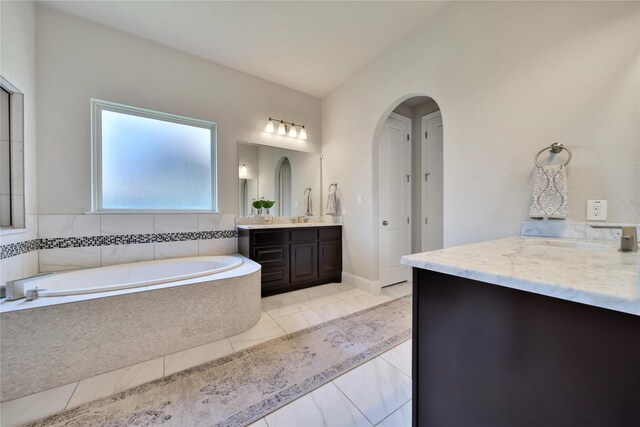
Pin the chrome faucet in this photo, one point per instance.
(15, 288)
(34, 293)
(629, 239)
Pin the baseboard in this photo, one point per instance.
(367, 285)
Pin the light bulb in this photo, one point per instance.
(282, 130)
(303, 133)
(270, 127)
(292, 131)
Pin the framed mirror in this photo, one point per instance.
(11, 156)
(288, 177)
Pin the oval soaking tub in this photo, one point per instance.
(132, 275)
(103, 319)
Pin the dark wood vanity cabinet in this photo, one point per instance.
(487, 355)
(294, 258)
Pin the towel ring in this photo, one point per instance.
(554, 148)
(335, 185)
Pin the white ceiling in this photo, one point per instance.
(311, 46)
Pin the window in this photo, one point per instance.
(151, 161)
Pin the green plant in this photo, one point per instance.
(268, 204)
(258, 204)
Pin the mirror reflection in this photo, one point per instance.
(288, 177)
(11, 156)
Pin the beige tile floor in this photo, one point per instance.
(377, 393)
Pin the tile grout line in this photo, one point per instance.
(347, 397)
(71, 396)
(356, 367)
(382, 420)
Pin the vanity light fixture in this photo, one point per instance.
(286, 128)
(282, 128)
(270, 128)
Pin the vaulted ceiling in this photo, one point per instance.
(311, 46)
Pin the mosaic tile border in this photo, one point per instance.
(15, 249)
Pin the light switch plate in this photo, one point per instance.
(358, 200)
(596, 210)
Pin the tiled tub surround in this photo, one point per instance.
(122, 238)
(21, 249)
(58, 341)
(573, 230)
(65, 242)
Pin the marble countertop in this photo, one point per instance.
(584, 271)
(296, 225)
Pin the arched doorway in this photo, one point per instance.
(408, 177)
(283, 187)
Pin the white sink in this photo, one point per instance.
(569, 244)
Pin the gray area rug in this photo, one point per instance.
(245, 386)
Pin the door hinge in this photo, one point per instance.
(426, 176)
(408, 220)
(426, 134)
(425, 220)
(408, 138)
(408, 178)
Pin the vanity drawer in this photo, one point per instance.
(303, 235)
(271, 256)
(270, 237)
(274, 276)
(330, 233)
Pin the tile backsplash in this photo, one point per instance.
(573, 230)
(67, 242)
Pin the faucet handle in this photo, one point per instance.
(629, 239)
(33, 293)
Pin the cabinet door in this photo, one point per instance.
(304, 262)
(330, 258)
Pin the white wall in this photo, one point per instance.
(79, 60)
(17, 65)
(510, 78)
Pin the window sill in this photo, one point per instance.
(147, 212)
(8, 231)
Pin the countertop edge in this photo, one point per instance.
(564, 292)
(296, 225)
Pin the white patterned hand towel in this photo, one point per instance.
(332, 204)
(308, 207)
(550, 193)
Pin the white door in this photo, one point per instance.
(432, 189)
(394, 199)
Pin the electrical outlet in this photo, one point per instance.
(344, 211)
(596, 210)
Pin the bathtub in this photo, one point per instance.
(93, 321)
(132, 275)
